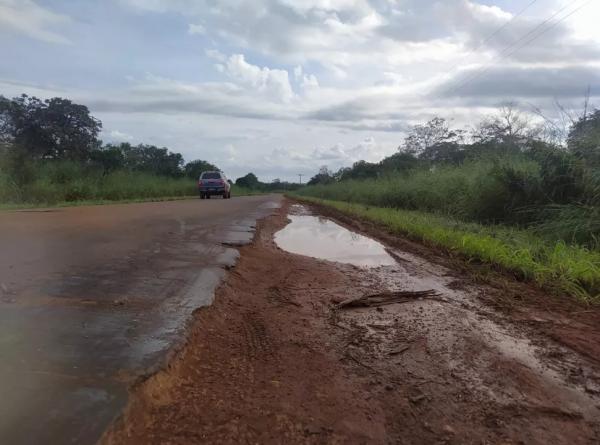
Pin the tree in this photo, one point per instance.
(109, 158)
(249, 181)
(51, 129)
(152, 159)
(435, 132)
(584, 138)
(195, 168)
(509, 128)
(400, 161)
(444, 152)
(359, 170)
(325, 176)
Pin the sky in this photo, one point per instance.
(282, 87)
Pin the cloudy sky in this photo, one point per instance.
(281, 87)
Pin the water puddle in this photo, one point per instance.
(322, 238)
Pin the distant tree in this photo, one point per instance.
(560, 172)
(555, 129)
(325, 176)
(584, 138)
(359, 170)
(435, 132)
(279, 185)
(342, 174)
(249, 181)
(50, 129)
(109, 158)
(509, 128)
(152, 159)
(444, 152)
(401, 161)
(195, 168)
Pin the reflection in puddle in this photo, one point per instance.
(322, 238)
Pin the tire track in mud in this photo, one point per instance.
(257, 344)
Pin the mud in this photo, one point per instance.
(273, 361)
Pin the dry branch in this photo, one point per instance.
(384, 298)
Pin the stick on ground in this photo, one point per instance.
(384, 298)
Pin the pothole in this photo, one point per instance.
(322, 238)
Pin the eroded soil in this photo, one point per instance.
(274, 361)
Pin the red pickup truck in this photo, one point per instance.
(213, 183)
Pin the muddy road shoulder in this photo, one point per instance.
(273, 359)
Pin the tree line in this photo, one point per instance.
(563, 153)
(512, 168)
(251, 181)
(34, 130)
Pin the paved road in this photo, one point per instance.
(93, 297)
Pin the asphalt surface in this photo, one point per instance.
(93, 298)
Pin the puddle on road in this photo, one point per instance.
(322, 238)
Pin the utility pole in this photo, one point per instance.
(300, 174)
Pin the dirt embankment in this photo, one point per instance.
(274, 361)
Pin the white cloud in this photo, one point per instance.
(305, 80)
(333, 156)
(119, 136)
(28, 18)
(216, 55)
(298, 72)
(330, 74)
(338, 155)
(274, 83)
(309, 81)
(345, 36)
(194, 29)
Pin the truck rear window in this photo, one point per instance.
(211, 176)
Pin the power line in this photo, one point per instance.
(504, 54)
(460, 83)
(495, 33)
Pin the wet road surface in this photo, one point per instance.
(92, 298)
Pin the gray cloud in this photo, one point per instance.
(523, 82)
(25, 17)
(373, 107)
(391, 127)
(173, 106)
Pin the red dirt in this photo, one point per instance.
(271, 361)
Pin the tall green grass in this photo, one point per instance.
(557, 266)
(511, 190)
(483, 191)
(116, 186)
(64, 182)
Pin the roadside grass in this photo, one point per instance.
(119, 187)
(482, 191)
(25, 206)
(557, 203)
(553, 265)
(60, 186)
